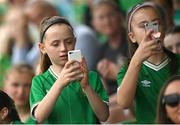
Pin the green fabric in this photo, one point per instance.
(30, 120)
(177, 17)
(72, 105)
(17, 122)
(5, 63)
(126, 4)
(149, 85)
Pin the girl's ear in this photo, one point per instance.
(4, 113)
(42, 48)
(131, 36)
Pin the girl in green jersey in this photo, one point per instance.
(150, 65)
(58, 95)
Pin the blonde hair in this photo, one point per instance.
(20, 68)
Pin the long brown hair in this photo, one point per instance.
(133, 46)
(45, 61)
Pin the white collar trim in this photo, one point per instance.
(52, 72)
(157, 67)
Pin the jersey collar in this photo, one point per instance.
(157, 67)
(53, 73)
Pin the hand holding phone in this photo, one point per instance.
(155, 27)
(75, 55)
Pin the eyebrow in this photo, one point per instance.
(65, 39)
(144, 21)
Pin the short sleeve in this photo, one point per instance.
(121, 74)
(37, 92)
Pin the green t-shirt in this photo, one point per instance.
(151, 79)
(72, 106)
(17, 122)
(30, 120)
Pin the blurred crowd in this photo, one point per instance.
(101, 35)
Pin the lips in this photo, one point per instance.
(63, 57)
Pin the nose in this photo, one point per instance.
(62, 46)
(20, 90)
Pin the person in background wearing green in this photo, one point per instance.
(59, 94)
(150, 66)
(17, 84)
(172, 39)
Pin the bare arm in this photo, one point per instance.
(126, 92)
(100, 108)
(44, 108)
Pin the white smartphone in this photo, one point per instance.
(155, 27)
(75, 55)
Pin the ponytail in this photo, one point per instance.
(46, 23)
(45, 63)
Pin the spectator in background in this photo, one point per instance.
(88, 44)
(169, 102)
(168, 10)
(17, 3)
(36, 11)
(8, 113)
(5, 51)
(172, 39)
(17, 24)
(14, 34)
(107, 20)
(176, 5)
(17, 85)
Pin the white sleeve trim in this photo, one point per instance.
(106, 102)
(32, 110)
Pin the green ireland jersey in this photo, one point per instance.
(30, 120)
(72, 106)
(150, 81)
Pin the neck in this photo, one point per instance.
(115, 40)
(57, 69)
(158, 58)
(24, 112)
